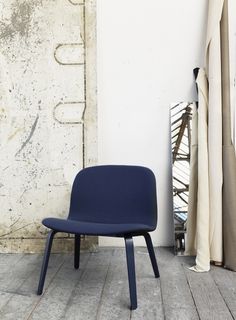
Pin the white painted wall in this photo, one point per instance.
(232, 47)
(146, 53)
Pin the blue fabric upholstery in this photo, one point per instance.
(94, 228)
(110, 200)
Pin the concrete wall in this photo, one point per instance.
(146, 53)
(47, 113)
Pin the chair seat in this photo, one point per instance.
(91, 228)
(113, 201)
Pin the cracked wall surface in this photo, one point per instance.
(47, 114)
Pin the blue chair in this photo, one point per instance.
(113, 201)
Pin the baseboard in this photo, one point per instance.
(61, 244)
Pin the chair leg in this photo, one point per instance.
(131, 271)
(152, 254)
(45, 261)
(77, 251)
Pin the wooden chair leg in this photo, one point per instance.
(77, 251)
(151, 254)
(45, 261)
(131, 271)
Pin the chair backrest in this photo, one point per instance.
(114, 194)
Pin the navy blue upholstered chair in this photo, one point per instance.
(113, 201)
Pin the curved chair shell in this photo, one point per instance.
(109, 200)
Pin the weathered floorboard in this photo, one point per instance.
(55, 299)
(85, 297)
(22, 288)
(148, 289)
(208, 300)
(226, 283)
(99, 289)
(177, 299)
(8, 263)
(115, 301)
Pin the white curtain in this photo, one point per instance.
(212, 205)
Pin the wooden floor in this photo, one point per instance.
(99, 290)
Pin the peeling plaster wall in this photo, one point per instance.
(146, 53)
(46, 123)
